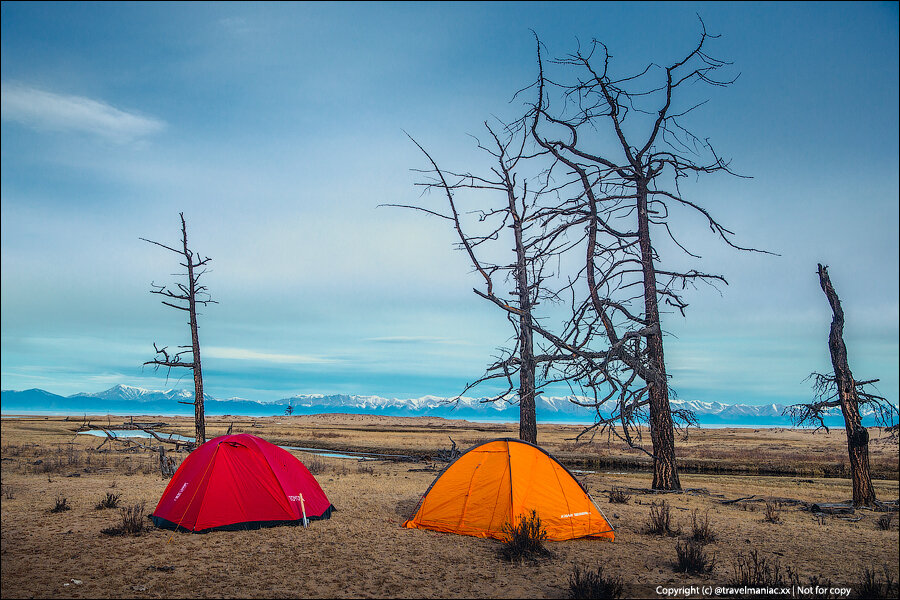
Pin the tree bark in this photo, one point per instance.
(857, 435)
(527, 409)
(662, 431)
(199, 416)
(199, 412)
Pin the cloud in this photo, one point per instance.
(46, 111)
(245, 354)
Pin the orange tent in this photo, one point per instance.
(498, 481)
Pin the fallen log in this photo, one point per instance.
(832, 508)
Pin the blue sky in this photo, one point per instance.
(279, 128)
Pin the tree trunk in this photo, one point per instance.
(527, 409)
(527, 365)
(857, 435)
(662, 432)
(199, 416)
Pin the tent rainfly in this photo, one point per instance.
(237, 482)
(498, 481)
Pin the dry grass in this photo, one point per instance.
(692, 558)
(877, 584)
(586, 584)
(660, 521)
(131, 521)
(618, 496)
(62, 505)
(111, 500)
(524, 539)
(773, 512)
(783, 451)
(701, 531)
(363, 551)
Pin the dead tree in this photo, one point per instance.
(166, 464)
(621, 151)
(186, 297)
(839, 388)
(506, 213)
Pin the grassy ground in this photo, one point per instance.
(363, 552)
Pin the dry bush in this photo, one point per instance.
(873, 586)
(63, 459)
(884, 521)
(13, 449)
(660, 522)
(131, 523)
(524, 539)
(593, 584)
(7, 491)
(316, 465)
(110, 501)
(618, 496)
(701, 531)
(363, 468)
(692, 558)
(772, 512)
(62, 505)
(754, 570)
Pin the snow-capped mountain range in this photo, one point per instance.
(124, 399)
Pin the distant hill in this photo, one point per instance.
(123, 399)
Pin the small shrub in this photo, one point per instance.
(317, 465)
(592, 584)
(813, 586)
(660, 522)
(365, 469)
(618, 496)
(131, 523)
(524, 539)
(872, 586)
(884, 521)
(110, 501)
(8, 493)
(772, 512)
(701, 532)
(757, 571)
(754, 570)
(692, 558)
(61, 505)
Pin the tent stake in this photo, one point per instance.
(303, 508)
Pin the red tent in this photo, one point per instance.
(236, 482)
